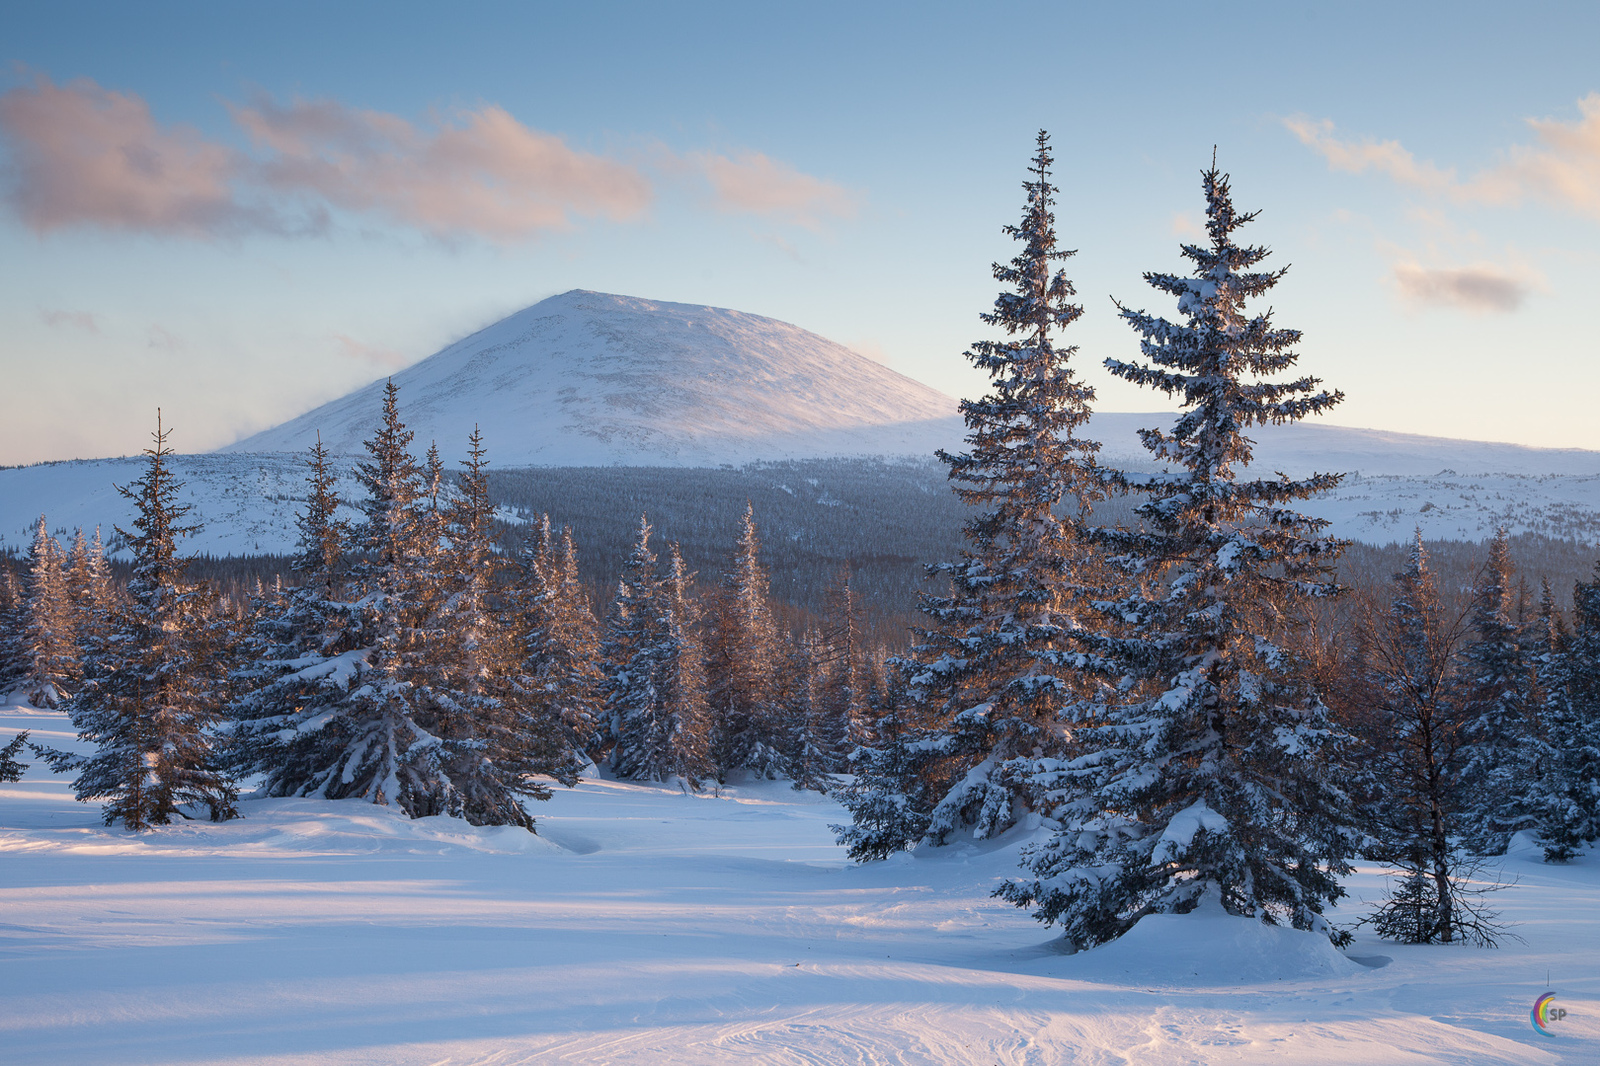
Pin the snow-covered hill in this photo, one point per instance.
(591, 379)
(1315, 445)
(244, 504)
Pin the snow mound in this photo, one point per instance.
(1212, 947)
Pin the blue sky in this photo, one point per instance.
(236, 214)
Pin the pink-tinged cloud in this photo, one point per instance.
(485, 174)
(76, 319)
(1565, 169)
(1481, 288)
(1386, 157)
(1562, 169)
(757, 184)
(81, 154)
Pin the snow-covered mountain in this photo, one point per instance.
(587, 378)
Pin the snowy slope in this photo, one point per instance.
(245, 504)
(591, 379)
(1303, 447)
(646, 926)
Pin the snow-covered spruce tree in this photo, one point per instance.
(153, 693)
(94, 592)
(308, 648)
(846, 716)
(12, 605)
(378, 741)
(1408, 765)
(662, 733)
(1568, 795)
(626, 684)
(1209, 771)
(559, 676)
(983, 672)
(743, 663)
(49, 638)
(811, 756)
(1501, 743)
(491, 746)
(389, 756)
(891, 788)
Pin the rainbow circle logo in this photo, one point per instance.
(1543, 1014)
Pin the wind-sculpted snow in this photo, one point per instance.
(648, 926)
(590, 379)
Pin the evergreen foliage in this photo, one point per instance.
(893, 783)
(845, 686)
(293, 719)
(1208, 770)
(659, 693)
(1413, 753)
(560, 674)
(49, 649)
(12, 608)
(153, 694)
(1501, 742)
(1569, 789)
(987, 672)
(10, 768)
(94, 593)
(743, 663)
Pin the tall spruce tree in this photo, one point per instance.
(1568, 797)
(1209, 770)
(13, 604)
(486, 755)
(154, 693)
(1501, 743)
(629, 625)
(92, 591)
(1409, 765)
(743, 665)
(846, 716)
(987, 672)
(49, 638)
(811, 757)
(662, 726)
(295, 720)
(560, 675)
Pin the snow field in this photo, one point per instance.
(647, 926)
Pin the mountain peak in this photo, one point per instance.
(593, 378)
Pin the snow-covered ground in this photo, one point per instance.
(646, 926)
